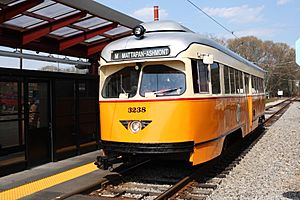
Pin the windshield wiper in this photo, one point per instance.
(162, 92)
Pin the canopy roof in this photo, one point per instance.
(68, 27)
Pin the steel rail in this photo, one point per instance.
(171, 191)
(277, 104)
(101, 182)
(278, 111)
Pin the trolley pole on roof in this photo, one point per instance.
(156, 17)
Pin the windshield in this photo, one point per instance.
(124, 82)
(161, 80)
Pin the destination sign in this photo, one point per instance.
(140, 53)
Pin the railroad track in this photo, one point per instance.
(112, 177)
(274, 112)
(147, 182)
(194, 183)
(279, 103)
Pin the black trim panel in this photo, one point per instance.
(217, 138)
(141, 148)
(211, 140)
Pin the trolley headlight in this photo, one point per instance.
(139, 31)
(135, 126)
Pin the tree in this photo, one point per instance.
(278, 59)
(63, 69)
(250, 48)
(221, 41)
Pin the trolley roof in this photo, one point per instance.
(170, 34)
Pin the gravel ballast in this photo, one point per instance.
(271, 170)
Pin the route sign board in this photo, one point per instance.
(298, 51)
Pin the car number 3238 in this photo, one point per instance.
(137, 109)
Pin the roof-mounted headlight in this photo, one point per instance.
(139, 31)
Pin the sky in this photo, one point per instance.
(276, 20)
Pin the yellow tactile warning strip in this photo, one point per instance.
(35, 186)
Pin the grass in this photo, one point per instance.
(271, 99)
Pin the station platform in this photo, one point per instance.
(53, 179)
(275, 102)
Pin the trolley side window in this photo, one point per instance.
(124, 81)
(262, 86)
(226, 80)
(237, 82)
(200, 76)
(246, 77)
(241, 90)
(196, 85)
(232, 81)
(215, 78)
(259, 85)
(254, 84)
(161, 80)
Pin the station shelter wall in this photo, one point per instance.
(46, 116)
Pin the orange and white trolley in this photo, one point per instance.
(166, 92)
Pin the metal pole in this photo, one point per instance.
(42, 58)
(21, 60)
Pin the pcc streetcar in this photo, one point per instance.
(168, 92)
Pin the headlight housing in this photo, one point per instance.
(135, 126)
(139, 31)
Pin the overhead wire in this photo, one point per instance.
(197, 7)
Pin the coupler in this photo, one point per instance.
(105, 162)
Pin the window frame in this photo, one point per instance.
(106, 82)
(219, 78)
(170, 95)
(198, 77)
(226, 83)
(241, 80)
(232, 76)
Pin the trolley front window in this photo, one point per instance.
(160, 80)
(124, 82)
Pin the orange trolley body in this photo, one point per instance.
(171, 93)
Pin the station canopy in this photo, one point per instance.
(78, 28)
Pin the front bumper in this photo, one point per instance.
(142, 148)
